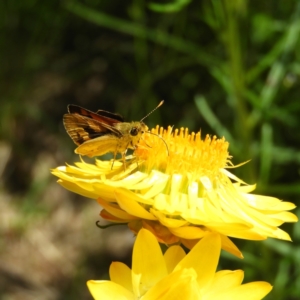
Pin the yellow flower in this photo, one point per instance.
(178, 187)
(175, 275)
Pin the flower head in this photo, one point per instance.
(178, 187)
(175, 275)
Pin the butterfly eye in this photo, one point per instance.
(134, 131)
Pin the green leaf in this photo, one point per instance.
(169, 7)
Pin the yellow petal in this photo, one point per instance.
(267, 203)
(107, 290)
(128, 182)
(225, 280)
(236, 230)
(188, 232)
(168, 222)
(280, 234)
(226, 244)
(116, 211)
(69, 185)
(162, 233)
(229, 246)
(173, 256)
(106, 192)
(153, 184)
(88, 168)
(245, 188)
(178, 285)
(175, 204)
(111, 218)
(250, 291)
(235, 178)
(128, 201)
(205, 264)
(147, 261)
(284, 216)
(121, 274)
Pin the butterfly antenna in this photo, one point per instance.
(162, 140)
(159, 105)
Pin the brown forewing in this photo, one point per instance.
(100, 115)
(83, 125)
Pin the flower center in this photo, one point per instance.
(181, 152)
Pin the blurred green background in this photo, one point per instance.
(227, 67)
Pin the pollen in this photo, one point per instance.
(181, 152)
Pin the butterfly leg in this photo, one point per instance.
(124, 156)
(123, 159)
(115, 155)
(136, 159)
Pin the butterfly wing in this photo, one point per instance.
(83, 125)
(99, 146)
(100, 115)
(107, 114)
